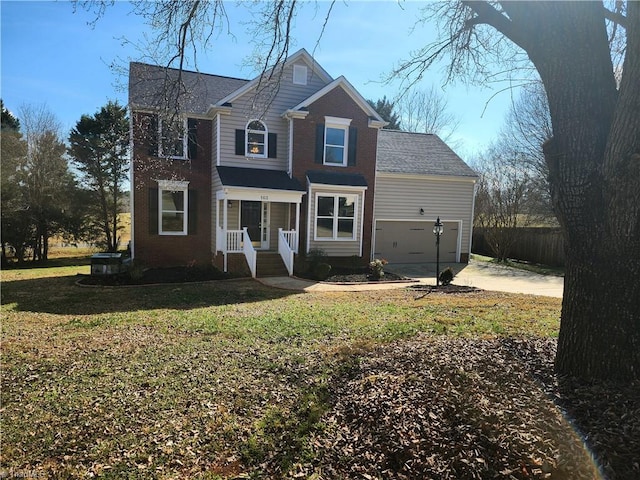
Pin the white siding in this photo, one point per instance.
(400, 197)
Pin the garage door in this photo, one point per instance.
(414, 242)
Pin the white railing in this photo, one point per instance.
(234, 241)
(284, 248)
(249, 252)
(292, 239)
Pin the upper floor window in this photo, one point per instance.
(256, 139)
(300, 74)
(336, 141)
(171, 137)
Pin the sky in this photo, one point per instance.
(52, 55)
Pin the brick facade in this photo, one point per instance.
(152, 249)
(336, 103)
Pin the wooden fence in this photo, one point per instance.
(543, 245)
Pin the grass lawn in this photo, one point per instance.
(232, 379)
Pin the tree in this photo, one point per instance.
(98, 145)
(426, 111)
(506, 198)
(593, 156)
(15, 227)
(386, 110)
(44, 178)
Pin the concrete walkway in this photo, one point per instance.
(483, 275)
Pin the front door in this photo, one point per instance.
(253, 215)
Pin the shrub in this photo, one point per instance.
(376, 268)
(321, 271)
(446, 276)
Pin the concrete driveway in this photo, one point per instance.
(487, 276)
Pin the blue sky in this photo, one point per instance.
(50, 55)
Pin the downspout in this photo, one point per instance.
(131, 185)
(290, 167)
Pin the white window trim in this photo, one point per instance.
(266, 139)
(299, 74)
(336, 218)
(185, 143)
(338, 124)
(174, 186)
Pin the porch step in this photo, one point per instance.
(270, 265)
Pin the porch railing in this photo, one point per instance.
(249, 252)
(237, 241)
(285, 239)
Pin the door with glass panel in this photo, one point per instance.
(255, 216)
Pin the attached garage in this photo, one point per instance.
(414, 242)
(418, 179)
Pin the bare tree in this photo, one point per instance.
(427, 111)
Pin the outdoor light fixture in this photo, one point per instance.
(422, 211)
(438, 229)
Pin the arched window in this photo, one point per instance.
(256, 140)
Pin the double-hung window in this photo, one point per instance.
(173, 202)
(173, 138)
(336, 141)
(256, 140)
(335, 217)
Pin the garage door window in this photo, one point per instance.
(335, 217)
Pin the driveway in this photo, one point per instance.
(484, 275)
(487, 276)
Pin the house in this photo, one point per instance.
(250, 174)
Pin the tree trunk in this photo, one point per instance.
(594, 167)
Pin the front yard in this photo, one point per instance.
(232, 379)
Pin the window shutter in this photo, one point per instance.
(154, 212)
(273, 145)
(353, 143)
(319, 143)
(152, 134)
(192, 220)
(240, 142)
(192, 131)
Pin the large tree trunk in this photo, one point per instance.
(594, 170)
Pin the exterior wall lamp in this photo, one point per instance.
(438, 230)
(422, 211)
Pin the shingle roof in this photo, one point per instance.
(152, 87)
(258, 178)
(418, 153)
(336, 178)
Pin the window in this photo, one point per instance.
(173, 201)
(300, 74)
(256, 140)
(335, 217)
(172, 138)
(336, 139)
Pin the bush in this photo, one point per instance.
(321, 271)
(446, 276)
(376, 268)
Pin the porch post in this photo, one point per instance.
(297, 227)
(224, 231)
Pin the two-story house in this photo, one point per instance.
(239, 170)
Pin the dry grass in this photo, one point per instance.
(232, 379)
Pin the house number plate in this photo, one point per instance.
(264, 197)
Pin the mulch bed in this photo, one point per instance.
(157, 275)
(452, 408)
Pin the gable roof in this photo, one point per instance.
(152, 86)
(418, 154)
(300, 55)
(342, 82)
